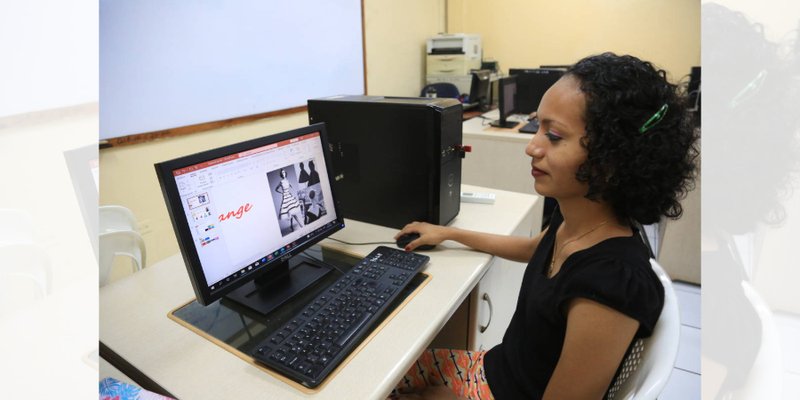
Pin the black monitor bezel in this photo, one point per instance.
(164, 171)
(693, 89)
(479, 90)
(501, 86)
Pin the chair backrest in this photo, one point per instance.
(116, 218)
(120, 243)
(443, 89)
(765, 380)
(649, 363)
(25, 274)
(16, 226)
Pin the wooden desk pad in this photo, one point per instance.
(247, 358)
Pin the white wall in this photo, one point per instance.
(395, 34)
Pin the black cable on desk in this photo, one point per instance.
(308, 251)
(360, 244)
(318, 258)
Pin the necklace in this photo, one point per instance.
(557, 252)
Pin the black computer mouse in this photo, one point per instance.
(404, 240)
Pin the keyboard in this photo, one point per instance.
(531, 127)
(312, 344)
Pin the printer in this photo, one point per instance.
(451, 58)
(467, 44)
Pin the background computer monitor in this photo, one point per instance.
(242, 213)
(531, 85)
(556, 66)
(508, 90)
(694, 90)
(479, 89)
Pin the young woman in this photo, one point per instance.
(291, 208)
(614, 147)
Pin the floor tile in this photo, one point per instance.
(791, 386)
(686, 287)
(789, 329)
(682, 385)
(689, 307)
(689, 350)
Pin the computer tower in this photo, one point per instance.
(395, 160)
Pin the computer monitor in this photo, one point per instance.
(479, 89)
(494, 93)
(694, 90)
(556, 66)
(531, 85)
(508, 90)
(243, 213)
(84, 169)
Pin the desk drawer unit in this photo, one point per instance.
(449, 64)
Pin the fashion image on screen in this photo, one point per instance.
(297, 195)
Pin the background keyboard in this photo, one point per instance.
(531, 127)
(310, 346)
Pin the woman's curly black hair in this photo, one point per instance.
(641, 175)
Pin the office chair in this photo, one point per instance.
(120, 243)
(25, 273)
(116, 218)
(765, 380)
(118, 236)
(17, 226)
(650, 361)
(443, 89)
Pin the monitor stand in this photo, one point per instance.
(504, 124)
(271, 290)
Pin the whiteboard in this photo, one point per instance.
(168, 64)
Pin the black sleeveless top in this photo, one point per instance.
(615, 272)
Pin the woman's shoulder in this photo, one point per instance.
(616, 255)
(618, 274)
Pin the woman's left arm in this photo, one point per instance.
(596, 341)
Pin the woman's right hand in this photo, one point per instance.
(428, 234)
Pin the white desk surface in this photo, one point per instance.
(498, 158)
(480, 128)
(134, 323)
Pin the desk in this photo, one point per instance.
(49, 346)
(498, 158)
(134, 322)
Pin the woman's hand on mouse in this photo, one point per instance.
(428, 234)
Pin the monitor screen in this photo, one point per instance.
(243, 211)
(508, 90)
(479, 89)
(531, 85)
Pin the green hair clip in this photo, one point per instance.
(655, 119)
(749, 90)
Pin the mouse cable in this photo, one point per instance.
(359, 244)
(318, 258)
